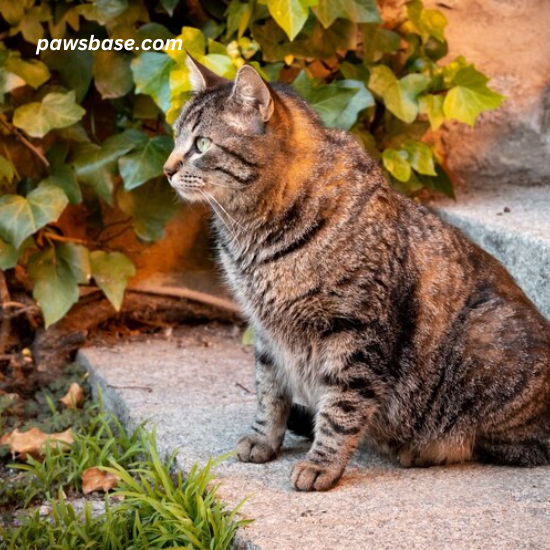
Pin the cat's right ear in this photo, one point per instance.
(250, 89)
(201, 77)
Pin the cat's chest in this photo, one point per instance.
(276, 294)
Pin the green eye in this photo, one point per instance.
(202, 144)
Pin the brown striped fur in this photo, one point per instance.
(380, 319)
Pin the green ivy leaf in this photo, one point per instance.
(111, 8)
(338, 103)
(361, 100)
(470, 96)
(170, 6)
(31, 25)
(378, 41)
(146, 162)
(97, 165)
(412, 185)
(12, 11)
(193, 42)
(151, 72)
(74, 68)
(20, 217)
(112, 73)
(111, 272)
(8, 82)
(358, 11)
(316, 41)
(77, 257)
(56, 110)
(220, 64)
(103, 11)
(399, 96)
(33, 72)
(396, 164)
(290, 15)
(93, 169)
(63, 177)
(441, 182)
(150, 206)
(9, 255)
(55, 286)
(427, 22)
(420, 157)
(235, 13)
(7, 169)
(432, 105)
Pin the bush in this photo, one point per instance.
(86, 133)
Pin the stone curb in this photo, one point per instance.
(196, 389)
(513, 224)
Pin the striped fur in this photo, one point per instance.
(384, 322)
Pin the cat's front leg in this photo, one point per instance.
(269, 424)
(340, 422)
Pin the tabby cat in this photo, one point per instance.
(367, 309)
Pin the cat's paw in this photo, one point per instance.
(254, 449)
(308, 476)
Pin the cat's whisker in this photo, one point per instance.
(216, 184)
(208, 198)
(224, 210)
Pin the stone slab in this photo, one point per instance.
(197, 390)
(513, 224)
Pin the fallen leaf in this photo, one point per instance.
(94, 479)
(34, 441)
(74, 397)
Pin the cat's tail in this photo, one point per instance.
(301, 421)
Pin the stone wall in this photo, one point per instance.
(509, 40)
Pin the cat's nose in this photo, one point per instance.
(169, 170)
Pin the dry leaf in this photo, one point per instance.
(34, 441)
(74, 397)
(94, 479)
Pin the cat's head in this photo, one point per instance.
(218, 134)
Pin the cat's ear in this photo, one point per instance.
(201, 77)
(250, 89)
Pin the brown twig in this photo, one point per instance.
(21, 137)
(63, 239)
(5, 323)
(242, 387)
(111, 225)
(114, 235)
(23, 310)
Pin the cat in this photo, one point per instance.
(368, 310)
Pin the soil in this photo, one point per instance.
(32, 357)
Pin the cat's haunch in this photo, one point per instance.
(377, 317)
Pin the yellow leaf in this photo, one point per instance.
(74, 397)
(34, 441)
(94, 479)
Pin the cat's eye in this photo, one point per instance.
(202, 144)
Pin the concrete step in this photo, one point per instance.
(513, 224)
(197, 389)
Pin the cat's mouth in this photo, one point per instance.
(188, 190)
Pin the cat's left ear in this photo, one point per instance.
(201, 77)
(250, 89)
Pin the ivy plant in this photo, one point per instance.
(85, 132)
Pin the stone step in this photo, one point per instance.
(197, 390)
(513, 224)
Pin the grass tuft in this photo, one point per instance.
(153, 506)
